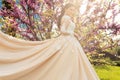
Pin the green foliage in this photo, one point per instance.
(100, 59)
(118, 51)
(117, 63)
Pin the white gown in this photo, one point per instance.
(60, 58)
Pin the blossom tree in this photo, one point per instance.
(31, 19)
(98, 23)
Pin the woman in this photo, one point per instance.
(60, 58)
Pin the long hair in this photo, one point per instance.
(63, 12)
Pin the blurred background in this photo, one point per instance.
(97, 24)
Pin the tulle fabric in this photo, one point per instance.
(60, 58)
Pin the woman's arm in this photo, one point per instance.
(77, 36)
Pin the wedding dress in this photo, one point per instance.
(60, 58)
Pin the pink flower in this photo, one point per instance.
(49, 2)
(23, 3)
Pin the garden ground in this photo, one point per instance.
(106, 72)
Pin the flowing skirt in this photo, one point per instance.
(60, 58)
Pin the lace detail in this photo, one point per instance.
(67, 25)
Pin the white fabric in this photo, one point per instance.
(66, 21)
(60, 58)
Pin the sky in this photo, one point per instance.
(0, 3)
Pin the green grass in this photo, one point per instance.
(108, 72)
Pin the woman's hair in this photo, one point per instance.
(63, 12)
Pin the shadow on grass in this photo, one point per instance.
(103, 67)
(104, 79)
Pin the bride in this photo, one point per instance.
(60, 58)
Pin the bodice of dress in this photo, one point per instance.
(67, 25)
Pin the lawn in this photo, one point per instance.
(108, 72)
